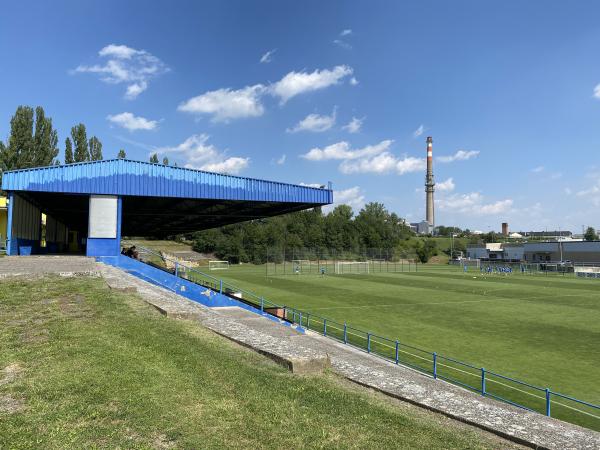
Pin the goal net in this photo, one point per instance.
(218, 265)
(347, 267)
(301, 265)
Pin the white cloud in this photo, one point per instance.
(198, 154)
(295, 83)
(135, 68)
(591, 194)
(342, 44)
(354, 125)
(118, 51)
(597, 91)
(353, 81)
(268, 57)
(281, 160)
(346, 32)
(231, 165)
(342, 150)
(353, 197)
(132, 123)
(315, 122)
(446, 186)
(226, 104)
(473, 204)
(419, 131)
(383, 163)
(538, 169)
(461, 155)
(135, 89)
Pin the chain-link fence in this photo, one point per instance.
(341, 262)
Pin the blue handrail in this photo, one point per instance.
(326, 326)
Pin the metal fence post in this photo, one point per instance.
(345, 333)
(397, 351)
(308, 321)
(434, 365)
(176, 269)
(300, 321)
(368, 342)
(220, 286)
(262, 304)
(324, 327)
(548, 402)
(482, 381)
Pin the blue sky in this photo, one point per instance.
(346, 92)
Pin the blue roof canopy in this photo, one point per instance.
(159, 199)
(124, 177)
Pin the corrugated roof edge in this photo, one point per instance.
(329, 184)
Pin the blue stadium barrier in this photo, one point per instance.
(477, 379)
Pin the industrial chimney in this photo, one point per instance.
(429, 184)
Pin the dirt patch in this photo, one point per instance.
(10, 404)
(35, 336)
(74, 306)
(10, 373)
(162, 442)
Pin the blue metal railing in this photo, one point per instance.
(478, 379)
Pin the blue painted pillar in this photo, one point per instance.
(11, 243)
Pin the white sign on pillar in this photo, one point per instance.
(103, 216)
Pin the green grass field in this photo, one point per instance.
(544, 330)
(84, 367)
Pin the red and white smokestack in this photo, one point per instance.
(429, 184)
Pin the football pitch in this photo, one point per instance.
(544, 330)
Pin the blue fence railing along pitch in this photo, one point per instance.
(488, 383)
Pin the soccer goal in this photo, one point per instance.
(218, 265)
(301, 266)
(348, 267)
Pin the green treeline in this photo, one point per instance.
(374, 232)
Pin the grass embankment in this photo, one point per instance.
(540, 329)
(84, 367)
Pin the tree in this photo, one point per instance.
(45, 140)
(121, 154)
(489, 237)
(80, 141)
(26, 147)
(2, 163)
(590, 234)
(154, 158)
(165, 161)
(69, 152)
(95, 149)
(426, 250)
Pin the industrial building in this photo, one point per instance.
(89, 206)
(537, 252)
